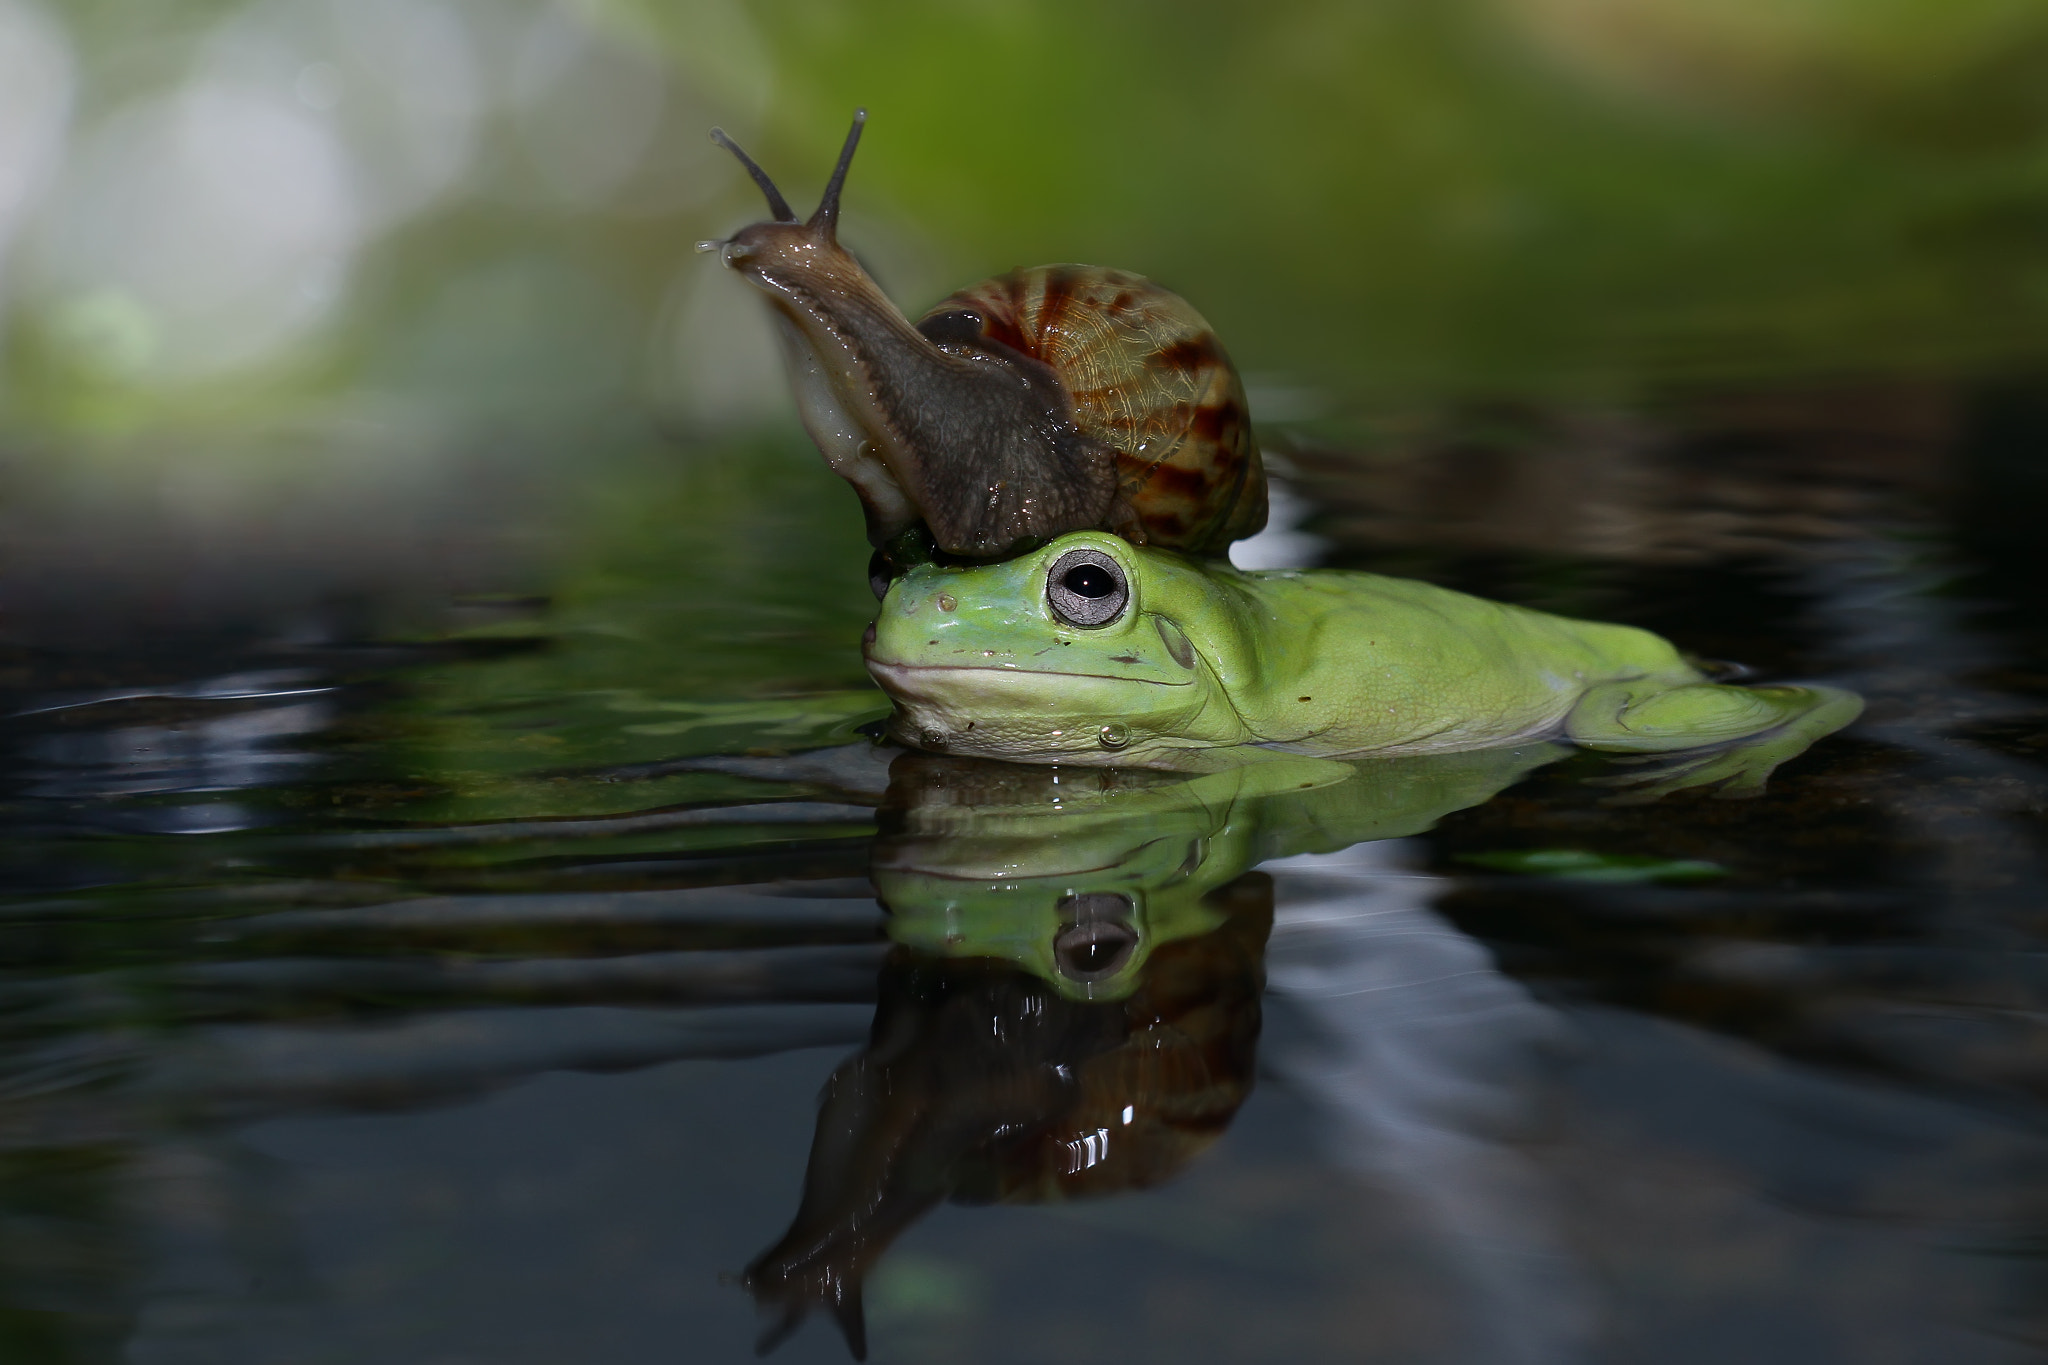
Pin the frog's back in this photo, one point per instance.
(1354, 661)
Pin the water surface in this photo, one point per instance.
(489, 995)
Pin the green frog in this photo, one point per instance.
(1094, 651)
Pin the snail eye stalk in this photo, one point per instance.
(777, 205)
(827, 216)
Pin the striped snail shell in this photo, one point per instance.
(1146, 379)
(1056, 399)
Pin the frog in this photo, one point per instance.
(1094, 651)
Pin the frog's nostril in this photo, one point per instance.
(868, 640)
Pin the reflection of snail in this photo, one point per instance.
(983, 1084)
(1054, 399)
(1073, 1003)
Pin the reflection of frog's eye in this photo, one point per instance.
(1087, 588)
(1095, 938)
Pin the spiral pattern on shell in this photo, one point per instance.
(1148, 379)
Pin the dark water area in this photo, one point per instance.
(576, 981)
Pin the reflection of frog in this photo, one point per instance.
(1074, 1004)
(1093, 651)
(1079, 876)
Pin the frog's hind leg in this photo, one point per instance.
(1726, 737)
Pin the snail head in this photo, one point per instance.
(784, 254)
(933, 423)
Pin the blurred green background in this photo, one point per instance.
(330, 300)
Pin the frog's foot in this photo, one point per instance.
(1728, 738)
(1733, 773)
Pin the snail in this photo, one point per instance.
(1052, 399)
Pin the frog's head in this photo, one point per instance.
(1089, 650)
(1083, 913)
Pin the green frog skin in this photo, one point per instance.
(1093, 651)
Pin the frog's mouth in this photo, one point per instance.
(919, 679)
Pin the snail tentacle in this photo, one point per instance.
(826, 218)
(777, 205)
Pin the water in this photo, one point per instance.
(521, 992)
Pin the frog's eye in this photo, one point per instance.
(1087, 588)
(1096, 938)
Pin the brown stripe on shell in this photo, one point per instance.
(999, 315)
(1178, 484)
(1213, 422)
(1191, 353)
(1147, 378)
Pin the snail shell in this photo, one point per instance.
(1058, 399)
(1145, 378)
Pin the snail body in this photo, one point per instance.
(1048, 400)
